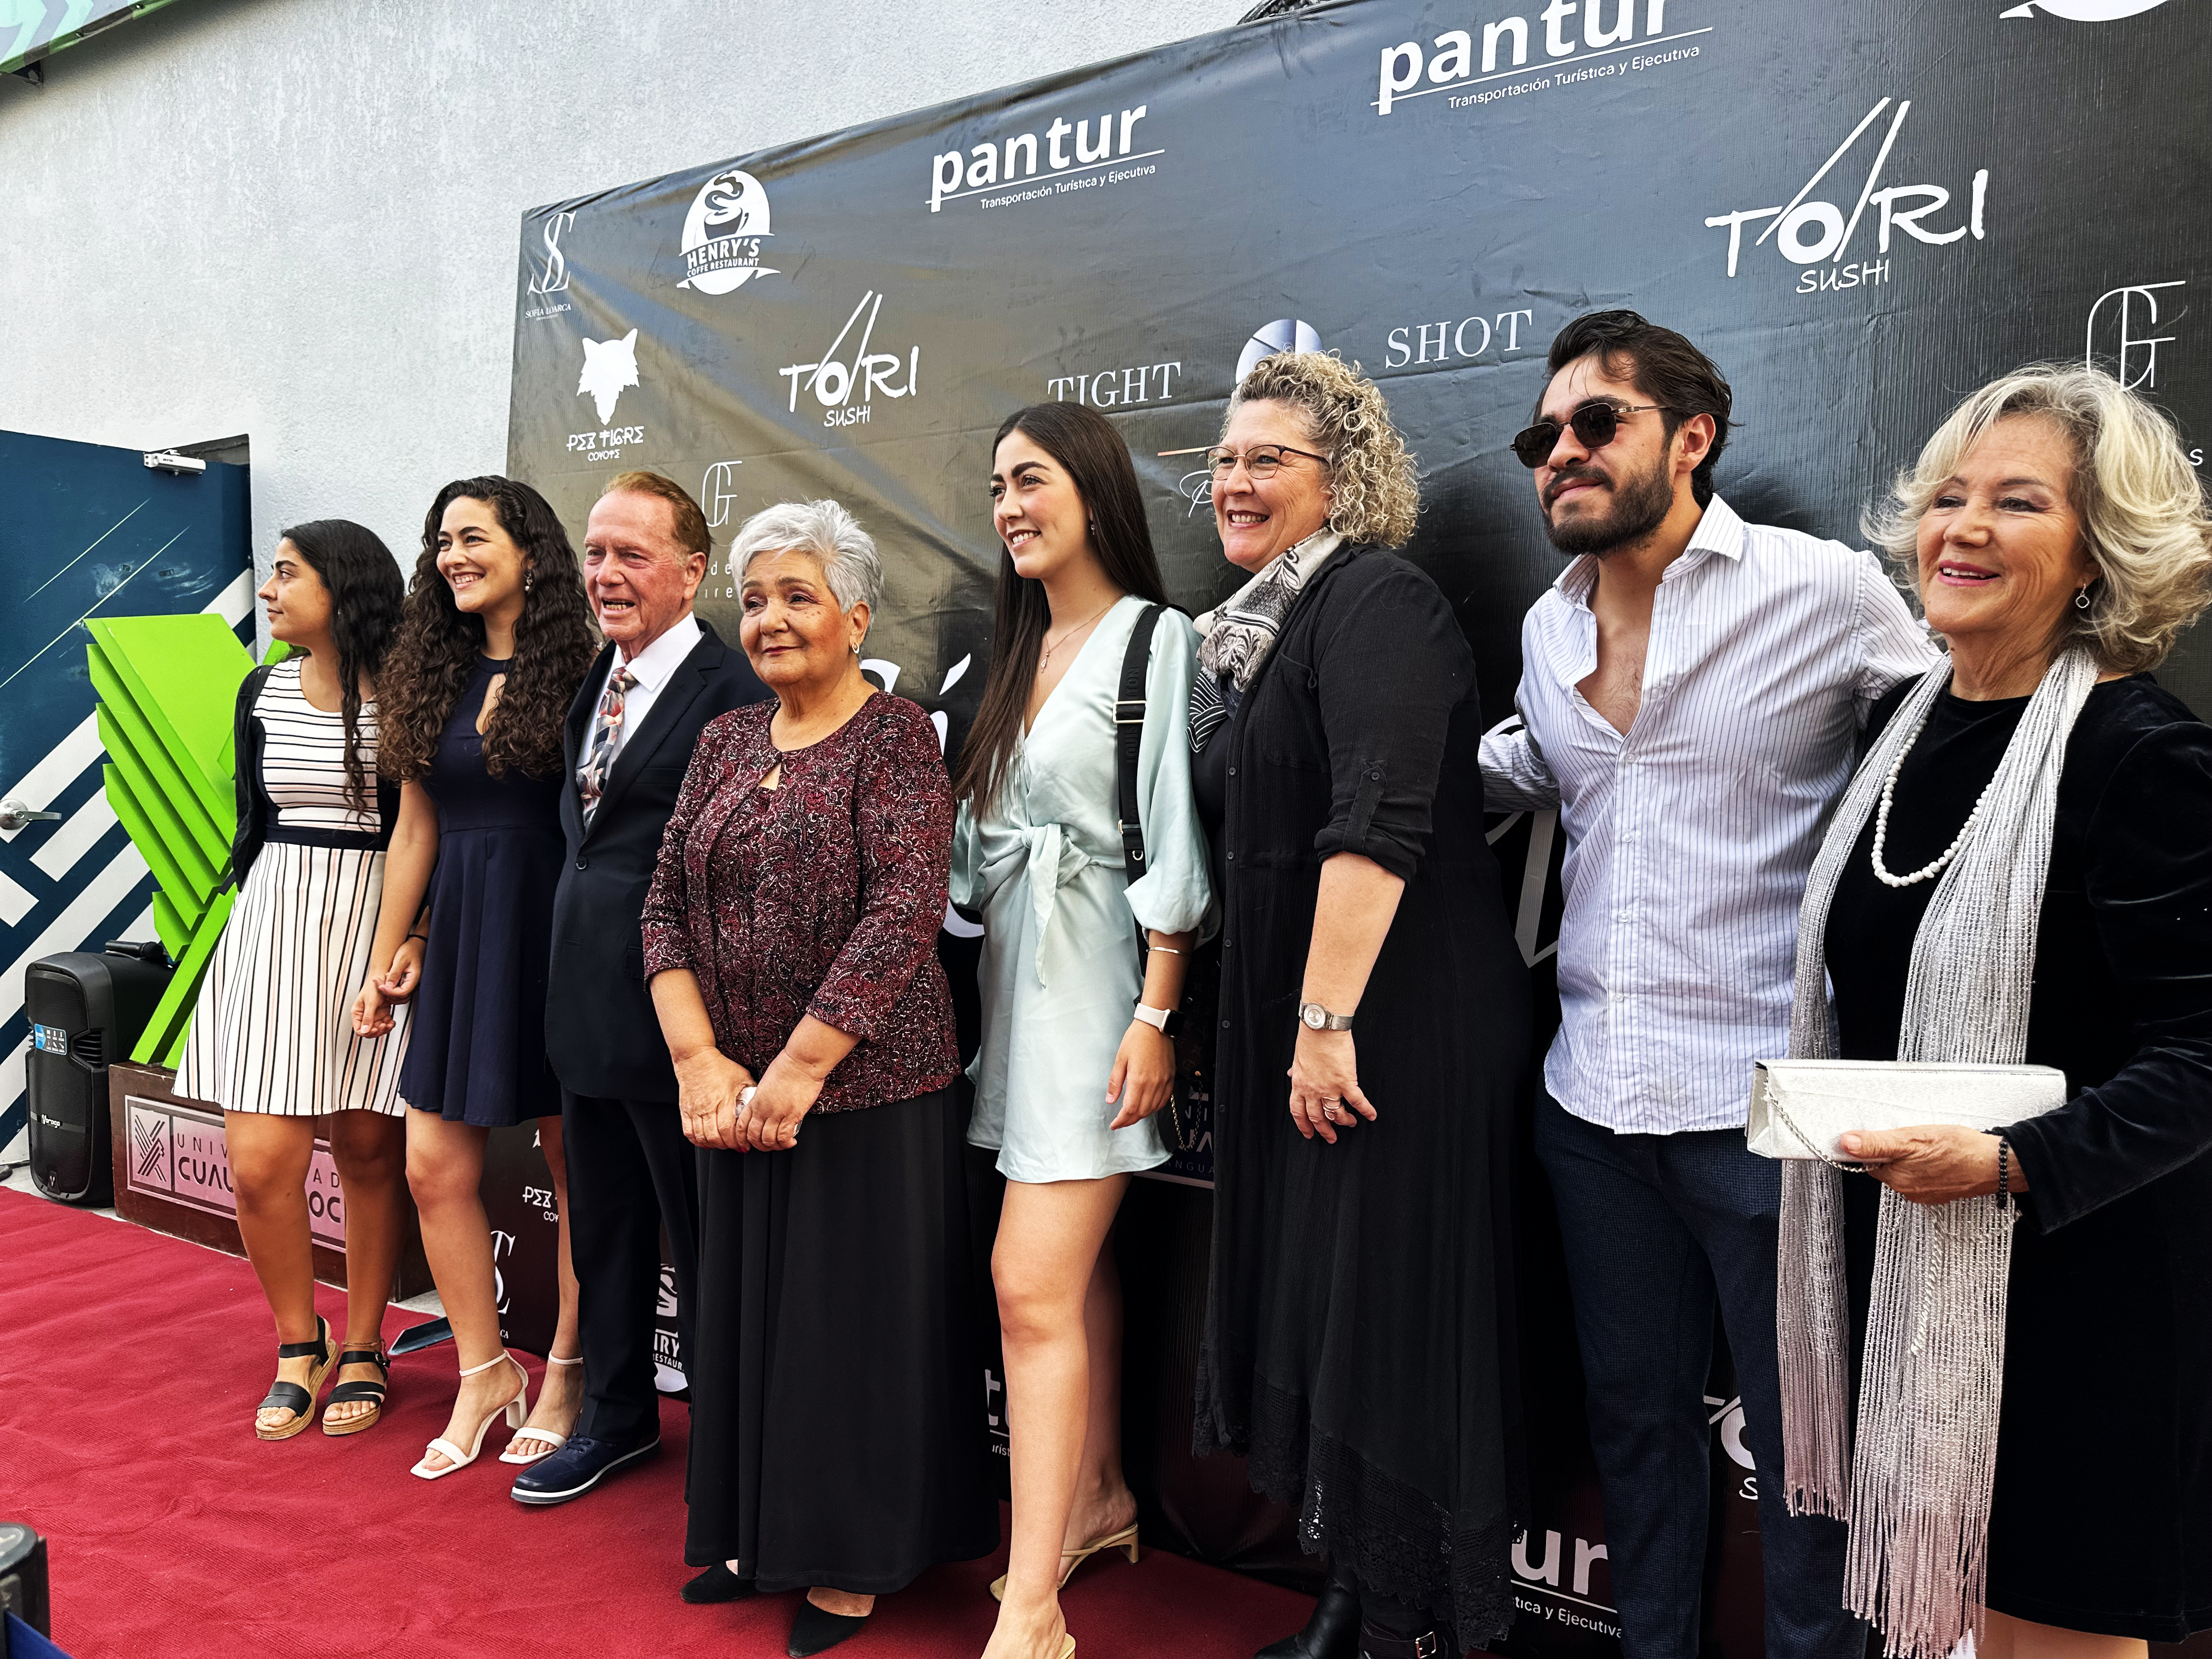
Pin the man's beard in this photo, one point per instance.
(1640, 505)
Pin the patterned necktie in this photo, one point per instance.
(606, 727)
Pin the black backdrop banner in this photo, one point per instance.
(1861, 211)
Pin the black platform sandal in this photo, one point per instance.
(373, 1391)
(291, 1396)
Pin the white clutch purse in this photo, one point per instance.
(1801, 1108)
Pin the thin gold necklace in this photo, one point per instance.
(1072, 632)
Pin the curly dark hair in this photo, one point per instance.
(362, 578)
(438, 645)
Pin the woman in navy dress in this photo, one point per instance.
(493, 642)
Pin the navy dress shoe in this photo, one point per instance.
(718, 1583)
(578, 1466)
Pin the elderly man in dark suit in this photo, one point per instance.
(663, 675)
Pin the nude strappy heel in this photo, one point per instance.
(544, 1438)
(517, 1411)
(1124, 1541)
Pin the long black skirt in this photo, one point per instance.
(838, 1433)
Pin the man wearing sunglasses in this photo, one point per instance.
(1691, 689)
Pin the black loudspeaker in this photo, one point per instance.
(23, 1578)
(86, 1010)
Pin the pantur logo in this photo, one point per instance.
(609, 369)
(723, 233)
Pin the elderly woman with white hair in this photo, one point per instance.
(1372, 1032)
(790, 942)
(2021, 873)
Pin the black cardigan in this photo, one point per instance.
(2122, 988)
(1361, 733)
(255, 811)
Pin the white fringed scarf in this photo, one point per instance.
(1915, 1492)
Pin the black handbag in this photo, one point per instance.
(1128, 740)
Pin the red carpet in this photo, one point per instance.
(130, 1364)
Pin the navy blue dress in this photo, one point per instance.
(477, 1054)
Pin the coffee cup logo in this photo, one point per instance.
(723, 233)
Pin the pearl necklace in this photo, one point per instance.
(1937, 866)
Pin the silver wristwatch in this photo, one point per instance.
(1314, 1017)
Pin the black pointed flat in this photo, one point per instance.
(816, 1630)
(718, 1583)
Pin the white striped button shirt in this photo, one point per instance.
(1689, 838)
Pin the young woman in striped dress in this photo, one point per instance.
(272, 1040)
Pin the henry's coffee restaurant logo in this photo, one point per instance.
(1490, 62)
(1818, 236)
(848, 377)
(723, 233)
(609, 369)
(1006, 172)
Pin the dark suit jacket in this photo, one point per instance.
(600, 1030)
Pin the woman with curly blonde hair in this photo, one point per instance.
(1371, 1032)
(2021, 873)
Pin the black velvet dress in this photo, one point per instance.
(2102, 1515)
(1357, 1348)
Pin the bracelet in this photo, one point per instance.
(425, 938)
(2004, 1173)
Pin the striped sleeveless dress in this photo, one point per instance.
(273, 1029)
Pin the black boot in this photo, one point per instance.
(1377, 1642)
(1333, 1632)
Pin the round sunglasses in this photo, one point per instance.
(1596, 424)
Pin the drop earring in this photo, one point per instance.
(2080, 598)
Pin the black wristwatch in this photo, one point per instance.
(1167, 1022)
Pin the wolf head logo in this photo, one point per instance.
(609, 366)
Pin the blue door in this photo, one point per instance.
(86, 531)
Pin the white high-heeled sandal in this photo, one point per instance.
(517, 1411)
(546, 1437)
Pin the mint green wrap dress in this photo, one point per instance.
(1059, 976)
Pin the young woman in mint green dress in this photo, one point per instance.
(1076, 1056)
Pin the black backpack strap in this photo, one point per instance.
(1128, 739)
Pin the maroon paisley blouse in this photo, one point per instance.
(822, 896)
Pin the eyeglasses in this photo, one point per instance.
(1262, 460)
(1596, 425)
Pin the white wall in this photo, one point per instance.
(299, 219)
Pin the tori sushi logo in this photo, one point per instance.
(1811, 233)
(2084, 11)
